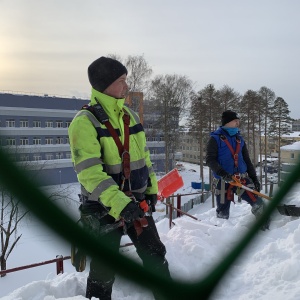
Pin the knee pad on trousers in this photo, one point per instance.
(99, 289)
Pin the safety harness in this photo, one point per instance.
(235, 155)
(98, 111)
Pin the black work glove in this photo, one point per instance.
(131, 212)
(151, 200)
(227, 177)
(257, 185)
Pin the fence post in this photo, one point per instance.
(168, 202)
(178, 205)
(59, 264)
(170, 215)
(271, 189)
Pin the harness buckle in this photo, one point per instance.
(237, 176)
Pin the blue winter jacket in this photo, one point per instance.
(224, 156)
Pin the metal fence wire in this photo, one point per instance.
(15, 180)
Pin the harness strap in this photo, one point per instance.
(98, 111)
(125, 155)
(251, 195)
(235, 154)
(123, 150)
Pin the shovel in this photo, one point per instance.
(236, 182)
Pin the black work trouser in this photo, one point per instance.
(148, 245)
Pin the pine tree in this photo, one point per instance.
(280, 122)
(267, 100)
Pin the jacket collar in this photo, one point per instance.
(106, 101)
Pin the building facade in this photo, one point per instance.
(34, 129)
(290, 157)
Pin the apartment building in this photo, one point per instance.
(34, 129)
(189, 146)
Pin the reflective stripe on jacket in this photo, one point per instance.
(96, 158)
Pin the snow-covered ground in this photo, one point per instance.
(268, 269)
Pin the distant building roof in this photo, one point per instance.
(294, 146)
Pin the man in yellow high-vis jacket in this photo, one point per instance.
(119, 186)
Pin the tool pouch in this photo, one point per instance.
(78, 258)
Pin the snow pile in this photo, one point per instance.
(268, 269)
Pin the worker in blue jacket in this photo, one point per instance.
(227, 155)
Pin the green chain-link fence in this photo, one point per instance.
(16, 181)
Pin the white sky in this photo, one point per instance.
(46, 46)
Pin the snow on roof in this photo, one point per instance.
(294, 146)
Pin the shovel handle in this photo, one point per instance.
(237, 183)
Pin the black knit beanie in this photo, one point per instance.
(104, 71)
(228, 116)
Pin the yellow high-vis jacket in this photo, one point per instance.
(96, 158)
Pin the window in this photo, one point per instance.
(37, 123)
(10, 142)
(68, 123)
(36, 141)
(24, 141)
(59, 155)
(59, 140)
(59, 124)
(49, 156)
(37, 157)
(10, 123)
(24, 157)
(68, 155)
(153, 151)
(150, 126)
(292, 155)
(49, 140)
(67, 140)
(49, 124)
(23, 123)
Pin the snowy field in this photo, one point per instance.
(268, 269)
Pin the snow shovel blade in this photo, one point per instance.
(237, 183)
(289, 210)
(169, 184)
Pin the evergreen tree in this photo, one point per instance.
(267, 100)
(280, 122)
(229, 98)
(250, 117)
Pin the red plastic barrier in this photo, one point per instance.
(169, 184)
